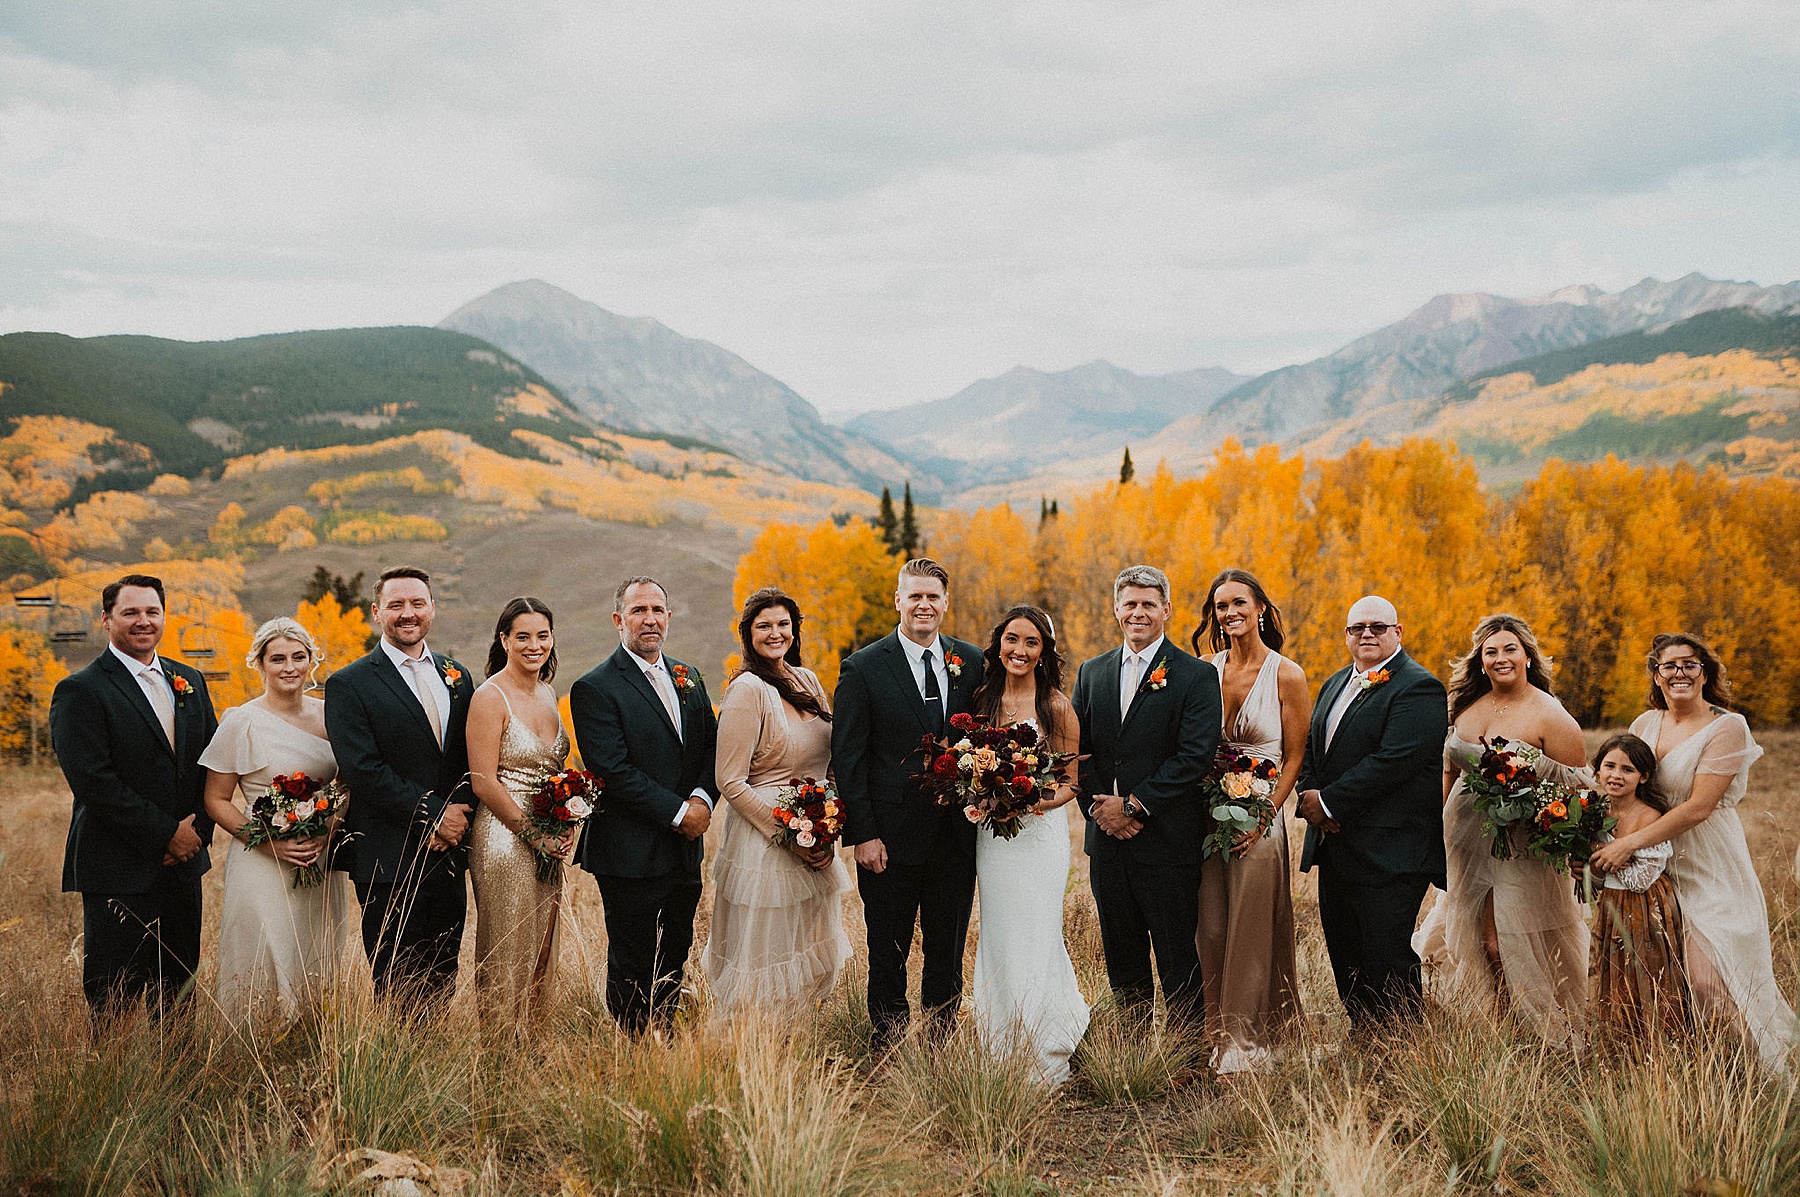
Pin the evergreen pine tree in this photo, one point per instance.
(887, 523)
(1127, 471)
(909, 525)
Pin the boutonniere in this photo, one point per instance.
(452, 675)
(1158, 677)
(1375, 677)
(180, 685)
(953, 664)
(684, 678)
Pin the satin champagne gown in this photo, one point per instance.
(517, 917)
(1246, 936)
(777, 941)
(1724, 916)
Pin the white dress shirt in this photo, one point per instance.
(662, 683)
(915, 656)
(1350, 693)
(155, 684)
(1133, 669)
(437, 693)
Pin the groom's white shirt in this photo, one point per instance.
(915, 656)
(1133, 669)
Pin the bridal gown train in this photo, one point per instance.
(1025, 988)
(1722, 907)
(280, 948)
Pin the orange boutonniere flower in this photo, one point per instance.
(1158, 676)
(452, 675)
(953, 664)
(684, 678)
(1369, 681)
(181, 686)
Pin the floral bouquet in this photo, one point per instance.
(1237, 792)
(810, 814)
(1567, 824)
(1503, 788)
(295, 807)
(562, 800)
(995, 774)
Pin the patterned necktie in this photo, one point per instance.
(156, 689)
(665, 690)
(1134, 677)
(934, 696)
(426, 698)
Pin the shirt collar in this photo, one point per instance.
(135, 666)
(1358, 671)
(1149, 653)
(400, 659)
(660, 665)
(915, 651)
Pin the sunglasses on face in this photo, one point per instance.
(1373, 629)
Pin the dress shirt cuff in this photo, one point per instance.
(1325, 808)
(681, 812)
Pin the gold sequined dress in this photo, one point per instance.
(516, 915)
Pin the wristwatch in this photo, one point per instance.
(1135, 809)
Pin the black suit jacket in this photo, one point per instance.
(648, 770)
(131, 789)
(878, 724)
(398, 777)
(1160, 751)
(1382, 778)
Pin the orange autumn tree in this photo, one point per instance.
(843, 579)
(215, 640)
(29, 672)
(342, 635)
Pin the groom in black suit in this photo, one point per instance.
(1150, 724)
(396, 721)
(915, 860)
(1371, 792)
(646, 728)
(128, 731)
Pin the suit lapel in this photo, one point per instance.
(634, 677)
(901, 664)
(1361, 700)
(1142, 694)
(1109, 666)
(134, 694)
(181, 709)
(390, 673)
(1328, 696)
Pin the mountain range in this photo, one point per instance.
(638, 375)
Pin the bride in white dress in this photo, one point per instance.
(279, 947)
(1704, 752)
(1025, 988)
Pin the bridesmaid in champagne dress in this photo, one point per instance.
(1246, 935)
(777, 941)
(280, 948)
(1704, 752)
(515, 738)
(1508, 935)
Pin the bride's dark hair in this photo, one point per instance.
(986, 700)
(1268, 625)
(791, 691)
(523, 605)
(1469, 681)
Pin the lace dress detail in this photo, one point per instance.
(516, 915)
(280, 949)
(1246, 934)
(1543, 937)
(777, 941)
(1724, 914)
(1026, 994)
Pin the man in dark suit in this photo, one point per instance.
(1150, 724)
(915, 860)
(1371, 792)
(396, 719)
(646, 729)
(128, 731)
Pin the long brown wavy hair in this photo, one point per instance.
(791, 691)
(1716, 689)
(523, 605)
(1269, 626)
(1467, 680)
(1048, 674)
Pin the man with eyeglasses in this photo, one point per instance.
(1371, 795)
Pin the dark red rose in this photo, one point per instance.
(944, 766)
(962, 721)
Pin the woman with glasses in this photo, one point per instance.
(1704, 752)
(1508, 935)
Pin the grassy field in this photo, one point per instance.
(569, 1107)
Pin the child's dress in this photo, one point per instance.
(1640, 980)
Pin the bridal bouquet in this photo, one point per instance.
(1567, 823)
(995, 774)
(1511, 798)
(810, 814)
(296, 806)
(562, 800)
(1237, 793)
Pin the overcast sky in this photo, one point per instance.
(880, 202)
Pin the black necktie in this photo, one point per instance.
(934, 697)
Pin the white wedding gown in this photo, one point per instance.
(1025, 986)
(280, 948)
(1722, 903)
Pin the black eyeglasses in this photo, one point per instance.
(1681, 668)
(1375, 629)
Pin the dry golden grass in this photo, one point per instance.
(576, 1109)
